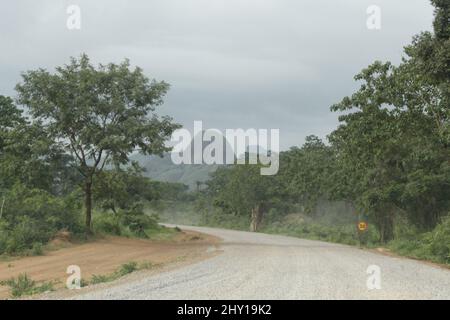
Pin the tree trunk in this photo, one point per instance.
(386, 227)
(256, 218)
(88, 205)
(1, 209)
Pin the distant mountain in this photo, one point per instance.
(163, 169)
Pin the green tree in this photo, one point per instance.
(28, 155)
(124, 189)
(99, 115)
(305, 172)
(242, 190)
(393, 141)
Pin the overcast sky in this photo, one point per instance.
(230, 63)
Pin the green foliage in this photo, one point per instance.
(96, 279)
(172, 191)
(345, 234)
(98, 115)
(124, 269)
(433, 245)
(32, 217)
(127, 268)
(24, 285)
(124, 189)
(28, 155)
(305, 172)
(139, 223)
(242, 190)
(388, 160)
(126, 223)
(109, 223)
(37, 249)
(393, 142)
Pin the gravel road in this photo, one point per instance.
(261, 266)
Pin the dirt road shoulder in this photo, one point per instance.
(105, 256)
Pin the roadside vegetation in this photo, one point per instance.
(65, 143)
(67, 138)
(124, 270)
(387, 163)
(25, 286)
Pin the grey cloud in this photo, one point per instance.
(231, 63)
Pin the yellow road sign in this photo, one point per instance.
(362, 226)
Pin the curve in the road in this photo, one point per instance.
(262, 266)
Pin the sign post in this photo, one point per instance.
(362, 226)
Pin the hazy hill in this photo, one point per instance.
(162, 169)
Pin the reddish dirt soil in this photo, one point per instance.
(104, 256)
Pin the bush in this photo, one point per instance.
(439, 241)
(20, 286)
(304, 227)
(108, 223)
(138, 222)
(433, 245)
(125, 223)
(37, 249)
(32, 217)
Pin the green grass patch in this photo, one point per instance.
(123, 270)
(23, 285)
(161, 233)
(127, 268)
(96, 279)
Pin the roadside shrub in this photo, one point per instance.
(20, 286)
(32, 217)
(130, 223)
(37, 249)
(138, 222)
(306, 228)
(433, 245)
(438, 242)
(108, 223)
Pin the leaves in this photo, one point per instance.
(100, 114)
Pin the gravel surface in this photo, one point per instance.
(262, 266)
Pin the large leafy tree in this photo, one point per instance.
(99, 115)
(369, 154)
(393, 141)
(305, 172)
